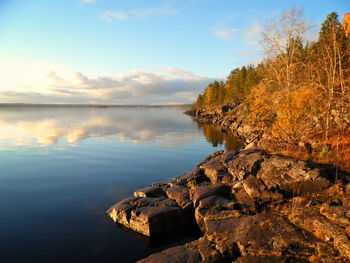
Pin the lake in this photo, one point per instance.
(62, 168)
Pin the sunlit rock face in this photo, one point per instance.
(250, 206)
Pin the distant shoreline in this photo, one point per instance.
(30, 105)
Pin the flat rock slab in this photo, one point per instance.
(187, 253)
(148, 216)
(149, 192)
(266, 234)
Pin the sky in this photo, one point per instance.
(135, 51)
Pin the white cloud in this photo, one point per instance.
(87, 1)
(111, 15)
(39, 82)
(252, 34)
(182, 74)
(227, 34)
(144, 13)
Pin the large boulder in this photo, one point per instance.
(216, 168)
(148, 216)
(215, 207)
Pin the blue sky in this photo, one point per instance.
(131, 52)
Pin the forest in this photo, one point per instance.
(301, 90)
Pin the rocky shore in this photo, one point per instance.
(250, 206)
(231, 118)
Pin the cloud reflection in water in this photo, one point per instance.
(41, 127)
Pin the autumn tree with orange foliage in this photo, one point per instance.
(346, 24)
(300, 93)
(235, 90)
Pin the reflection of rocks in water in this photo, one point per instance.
(232, 142)
(217, 136)
(174, 238)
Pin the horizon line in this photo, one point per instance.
(88, 105)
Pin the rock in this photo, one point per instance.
(291, 176)
(251, 145)
(216, 168)
(210, 157)
(181, 196)
(215, 207)
(250, 206)
(148, 192)
(121, 212)
(246, 129)
(208, 251)
(338, 214)
(305, 214)
(247, 203)
(187, 253)
(266, 234)
(148, 216)
(156, 220)
(177, 192)
(255, 188)
(260, 259)
(246, 163)
(201, 192)
(191, 179)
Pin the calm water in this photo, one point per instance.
(61, 169)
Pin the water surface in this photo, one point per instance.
(62, 168)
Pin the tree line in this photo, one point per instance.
(301, 90)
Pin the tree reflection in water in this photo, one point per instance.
(217, 136)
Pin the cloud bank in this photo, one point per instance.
(39, 82)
